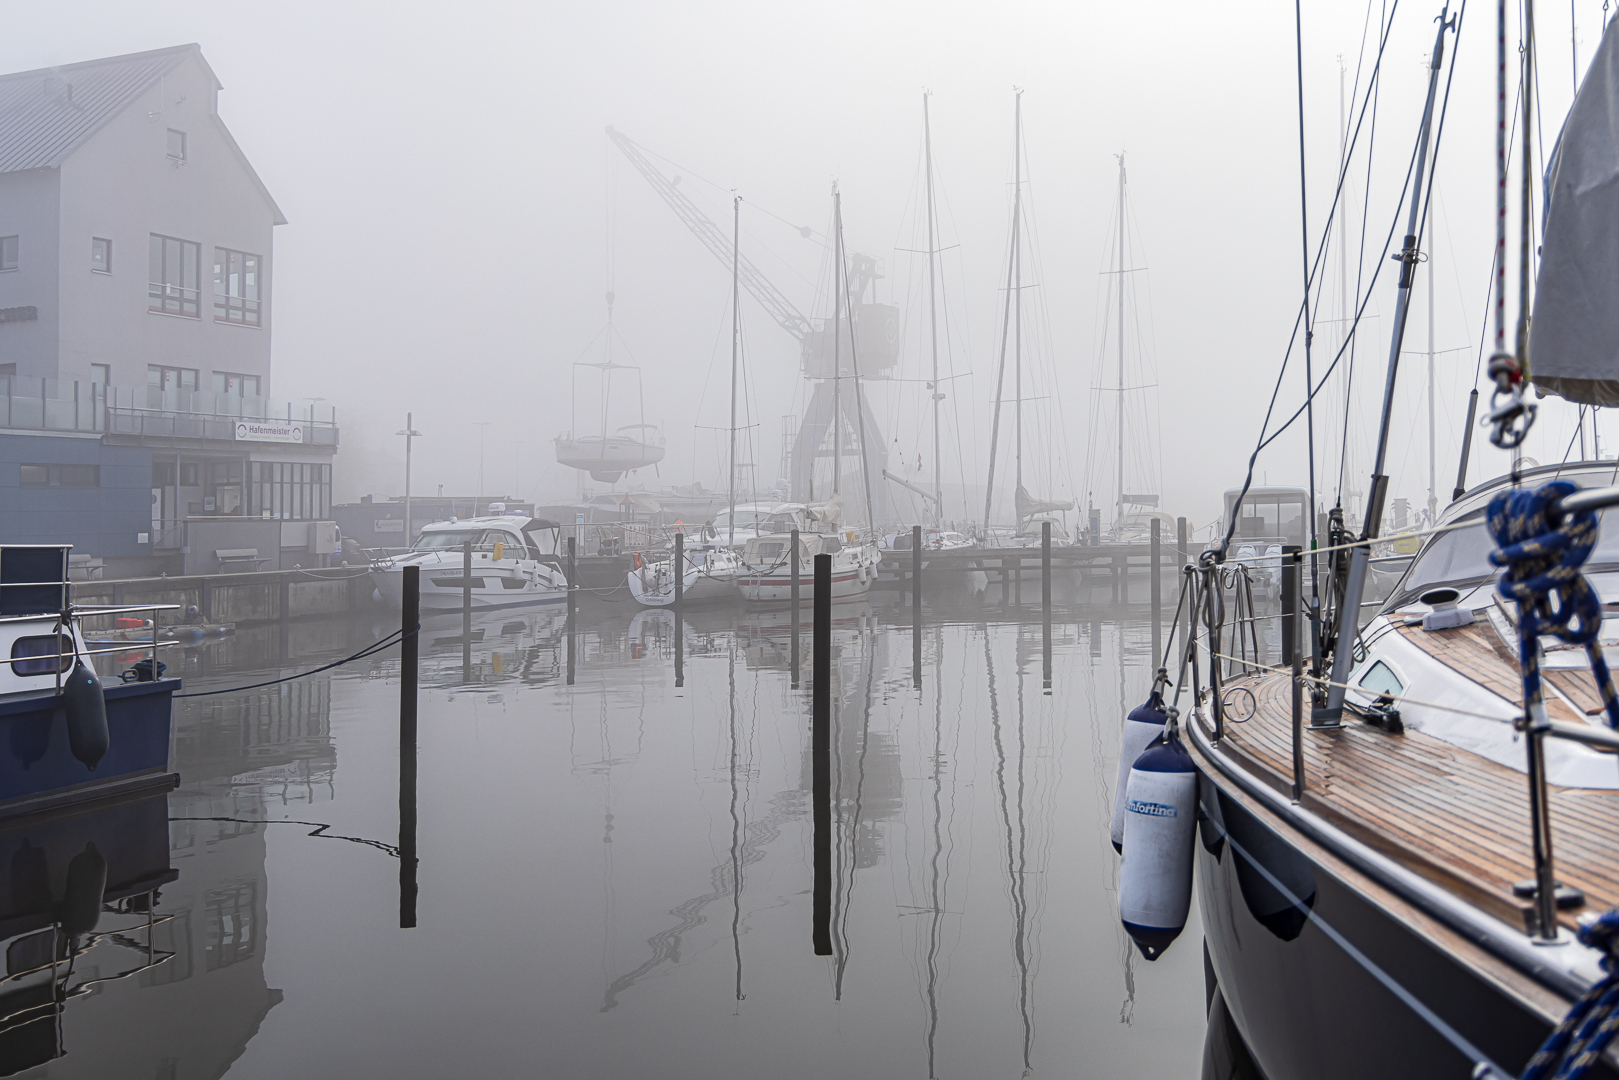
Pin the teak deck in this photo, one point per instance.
(1445, 813)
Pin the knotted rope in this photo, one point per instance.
(1577, 1043)
(1543, 563)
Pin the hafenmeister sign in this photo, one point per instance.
(281, 431)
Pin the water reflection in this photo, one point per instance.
(616, 870)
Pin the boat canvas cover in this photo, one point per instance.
(1574, 336)
(1028, 505)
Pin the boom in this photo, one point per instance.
(715, 240)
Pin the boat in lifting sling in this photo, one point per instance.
(608, 457)
(1407, 828)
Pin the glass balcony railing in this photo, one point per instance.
(29, 404)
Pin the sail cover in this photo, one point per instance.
(1028, 505)
(1574, 336)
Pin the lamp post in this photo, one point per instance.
(480, 425)
(409, 433)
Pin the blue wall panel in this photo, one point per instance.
(104, 521)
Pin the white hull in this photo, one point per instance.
(653, 586)
(493, 585)
(852, 576)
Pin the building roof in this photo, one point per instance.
(48, 113)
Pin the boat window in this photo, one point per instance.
(771, 550)
(745, 519)
(446, 539)
(1462, 555)
(48, 648)
(1382, 680)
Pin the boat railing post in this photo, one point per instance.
(795, 609)
(1293, 654)
(1214, 615)
(1540, 821)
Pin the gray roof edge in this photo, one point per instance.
(56, 68)
(178, 52)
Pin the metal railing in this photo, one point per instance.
(31, 404)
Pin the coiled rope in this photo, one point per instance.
(1543, 563)
(1578, 1042)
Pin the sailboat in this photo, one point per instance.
(1408, 878)
(708, 569)
(1032, 513)
(608, 456)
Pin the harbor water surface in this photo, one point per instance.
(615, 857)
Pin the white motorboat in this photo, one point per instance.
(710, 574)
(513, 564)
(767, 576)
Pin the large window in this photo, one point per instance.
(163, 377)
(8, 253)
(232, 384)
(290, 490)
(38, 476)
(175, 270)
(236, 287)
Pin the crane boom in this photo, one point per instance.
(714, 239)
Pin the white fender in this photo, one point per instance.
(1144, 724)
(1155, 878)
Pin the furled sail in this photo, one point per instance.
(1574, 335)
(1028, 505)
(830, 511)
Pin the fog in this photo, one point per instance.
(456, 215)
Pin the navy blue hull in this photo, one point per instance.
(1303, 1005)
(38, 769)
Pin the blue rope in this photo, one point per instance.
(1543, 563)
(1578, 1042)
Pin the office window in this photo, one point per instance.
(61, 476)
(100, 255)
(101, 375)
(236, 287)
(163, 377)
(177, 145)
(234, 385)
(175, 268)
(8, 253)
(290, 491)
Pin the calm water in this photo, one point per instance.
(615, 871)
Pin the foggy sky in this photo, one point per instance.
(449, 190)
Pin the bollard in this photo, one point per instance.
(795, 610)
(409, 642)
(821, 754)
(916, 606)
(1045, 606)
(1157, 594)
(680, 569)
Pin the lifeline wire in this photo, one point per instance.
(370, 650)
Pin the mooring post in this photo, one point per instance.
(916, 606)
(284, 602)
(1045, 605)
(1157, 594)
(466, 611)
(680, 568)
(1183, 538)
(821, 754)
(409, 643)
(795, 610)
(572, 574)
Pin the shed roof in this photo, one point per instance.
(48, 113)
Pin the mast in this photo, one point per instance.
(1006, 328)
(736, 337)
(837, 343)
(1118, 513)
(933, 312)
(1433, 483)
(1348, 624)
(1017, 263)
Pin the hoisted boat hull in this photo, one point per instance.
(606, 459)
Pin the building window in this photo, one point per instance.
(232, 384)
(82, 476)
(177, 145)
(290, 490)
(163, 377)
(101, 375)
(100, 255)
(175, 269)
(236, 287)
(8, 253)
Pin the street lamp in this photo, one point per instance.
(480, 425)
(409, 433)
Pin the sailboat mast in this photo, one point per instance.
(933, 311)
(1017, 287)
(837, 342)
(736, 339)
(1000, 367)
(1433, 483)
(1348, 619)
(1118, 513)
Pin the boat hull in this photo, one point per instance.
(38, 771)
(441, 589)
(774, 588)
(1285, 962)
(699, 587)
